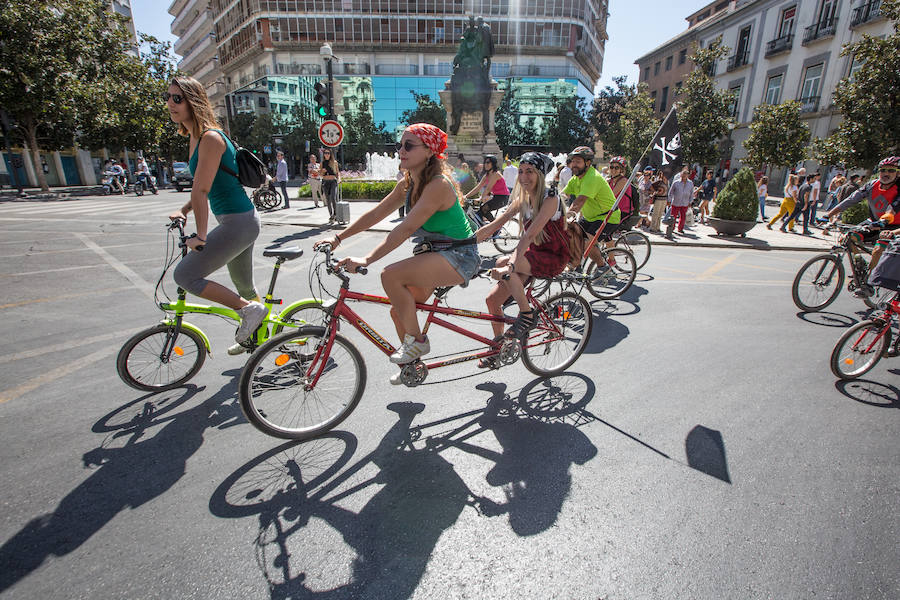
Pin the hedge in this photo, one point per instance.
(357, 190)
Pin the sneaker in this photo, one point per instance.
(252, 317)
(237, 349)
(395, 379)
(410, 350)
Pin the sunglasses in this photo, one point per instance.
(887, 170)
(176, 98)
(408, 146)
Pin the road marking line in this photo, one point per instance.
(65, 297)
(123, 334)
(724, 281)
(118, 265)
(59, 372)
(43, 252)
(708, 274)
(155, 259)
(71, 220)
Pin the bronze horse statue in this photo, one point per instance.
(470, 83)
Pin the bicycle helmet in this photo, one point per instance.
(491, 159)
(619, 160)
(582, 151)
(541, 162)
(890, 161)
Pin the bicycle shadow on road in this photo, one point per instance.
(126, 474)
(869, 392)
(606, 331)
(827, 319)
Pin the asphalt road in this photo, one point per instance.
(700, 448)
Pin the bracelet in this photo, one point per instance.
(338, 238)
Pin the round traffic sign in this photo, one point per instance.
(331, 133)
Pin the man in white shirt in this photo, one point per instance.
(814, 198)
(564, 176)
(510, 173)
(281, 176)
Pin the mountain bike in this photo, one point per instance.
(169, 354)
(305, 382)
(504, 239)
(636, 242)
(863, 345)
(819, 280)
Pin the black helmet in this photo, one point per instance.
(582, 151)
(491, 159)
(541, 162)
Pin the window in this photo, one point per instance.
(656, 69)
(677, 87)
(262, 102)
(664, 99)
(743, 45)
(786, 26)
(282, 88)
(653, 100)
(646, 73)
(682, 57)
(855, 65)
(811, 82)
(669, 64)
(826, 12)
(773, 89)
(735, 103)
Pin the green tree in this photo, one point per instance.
(426, 111)
(361, 134)
(300, 127)
(869, 102)
(241, 126)
(778, 136)
(265, 127)
(568, 127)
(704, 111)
(506, 121)
(638, 124)
(606, 112)
(55, 59)
(738, 201)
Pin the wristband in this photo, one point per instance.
(338, 238)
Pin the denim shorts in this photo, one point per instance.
(464, 259)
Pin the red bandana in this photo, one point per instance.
(431, 136)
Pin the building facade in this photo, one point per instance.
(193, 24)
(783, 50)
(385, 50)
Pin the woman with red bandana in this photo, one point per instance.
(446, 253)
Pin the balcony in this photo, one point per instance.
(809, 104)
(443, 70)
(205, 46)
(869, 11)
(779, 45)
(355, 68)
(738, 60)
(396, 69)
(820, 30)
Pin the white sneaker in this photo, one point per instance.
(237, 349)
(410, 350)
(252, 316)
(395, 379)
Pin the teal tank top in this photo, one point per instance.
(226, 195)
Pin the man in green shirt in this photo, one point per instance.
(593, 199)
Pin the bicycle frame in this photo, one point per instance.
(891, 310)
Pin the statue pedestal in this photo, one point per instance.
(471, 140)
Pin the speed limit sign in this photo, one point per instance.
(331, 133)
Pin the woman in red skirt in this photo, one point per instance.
(543, 250)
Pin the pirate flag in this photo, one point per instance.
(665, 151)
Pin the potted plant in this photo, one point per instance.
(736, 206)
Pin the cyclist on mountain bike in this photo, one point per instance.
(594, 200)
(884, 208)
(543, 249)
(493, 189)
(446, 254)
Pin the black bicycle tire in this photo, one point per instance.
(591, 265)
(277, 329)
(246, 397)
(506, 235)
(848, 337)
(589, 323)
(138, 189)
(795, 287)
(274, 200)
(129, 346)
(623, 240)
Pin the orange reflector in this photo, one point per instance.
(566, 315)
(282, 359)
(178, 350)
(849, 361)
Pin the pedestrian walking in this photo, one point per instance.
(803, 206)
(659, 190)
(510, 174)
(281, 177)
(314, 178)
(645, 197)
(788, 203)
(331, 173)
(681, 192)
(708, 193)
(814, 197)
(836, 182)
(762, 191)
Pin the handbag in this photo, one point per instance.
(668, 219)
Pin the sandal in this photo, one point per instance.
(490, 362)
(524, 323)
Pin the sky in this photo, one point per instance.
(634, 29)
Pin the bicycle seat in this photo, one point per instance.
(289, 253)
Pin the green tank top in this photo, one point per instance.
(451, 222)
(226, 195)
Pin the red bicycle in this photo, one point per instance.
(304, 383)
(863, 345)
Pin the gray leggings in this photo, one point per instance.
(231, 243)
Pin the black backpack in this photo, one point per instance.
(251, 170)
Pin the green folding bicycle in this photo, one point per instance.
(170, 353)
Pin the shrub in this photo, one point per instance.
(357, 190)
(738, 201)
(856, 214)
